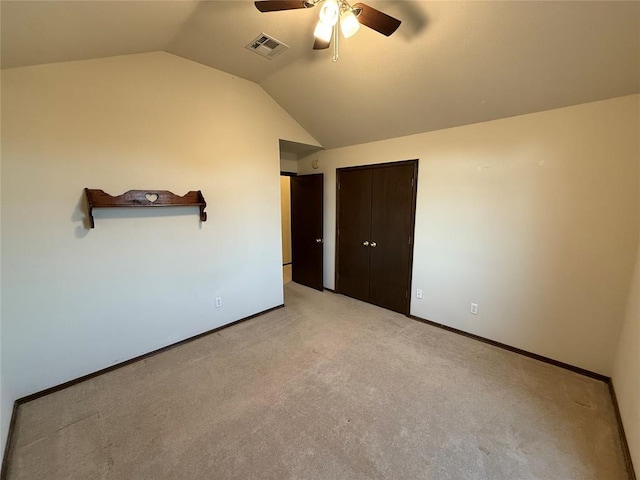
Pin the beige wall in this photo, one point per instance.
(532, 217)
(285, 215)
(78, 300)
(626, 373)
(288, 162)
(5, 403)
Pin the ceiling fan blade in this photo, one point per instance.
(375, 19)
(277, 5)
(321, 44)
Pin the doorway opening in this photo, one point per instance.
(301, 261)
(285, 215)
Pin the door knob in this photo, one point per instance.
(374, 244)
(318, 240)
(365, 243)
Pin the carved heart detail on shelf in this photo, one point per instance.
(143, 198)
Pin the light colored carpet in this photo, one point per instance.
(325, 388)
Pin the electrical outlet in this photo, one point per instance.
(218, 302)
(419, 293)
(474, 308)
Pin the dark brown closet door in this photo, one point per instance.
(354, 227)
(306, 230)
(390, 242)
(376, 215)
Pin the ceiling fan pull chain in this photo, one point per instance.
(336, 35)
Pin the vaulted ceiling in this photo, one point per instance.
(449, 63)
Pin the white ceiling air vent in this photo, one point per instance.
(267, 46)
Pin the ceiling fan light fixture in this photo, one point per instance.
(323, 31)
(349, 24)
(330, 12)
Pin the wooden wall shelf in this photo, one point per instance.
(143, 198)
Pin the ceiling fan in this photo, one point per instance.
(334, 13)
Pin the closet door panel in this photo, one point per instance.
(354, 225)
(391, 229)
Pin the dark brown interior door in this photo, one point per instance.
(306, 230)
(391, 230)
(354, 227)
(376, 216)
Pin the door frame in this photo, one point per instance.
(414, 195)
(288, 174)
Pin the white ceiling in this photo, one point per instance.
(449, 63)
